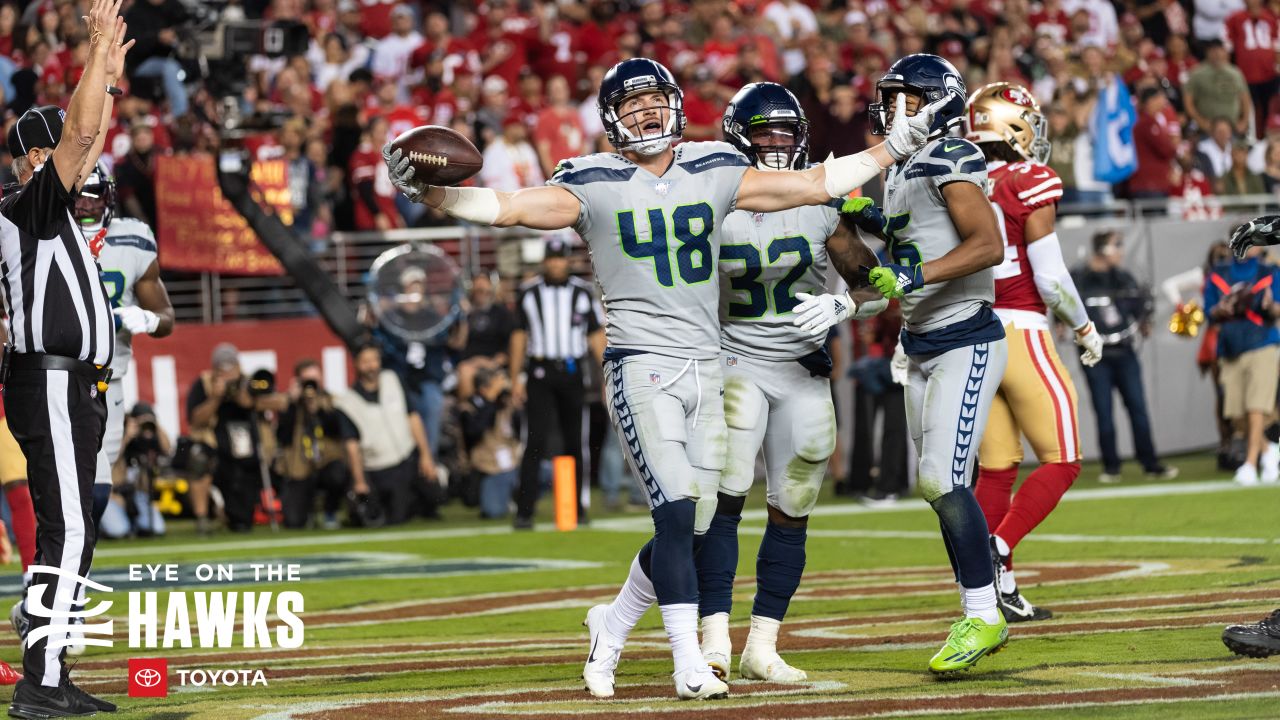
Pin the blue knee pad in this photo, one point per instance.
(675, 579)
(101, 496)
(778, 569)
(717, 557)
(965, 528)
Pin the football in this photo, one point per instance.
(439, 156)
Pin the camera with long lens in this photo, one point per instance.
(143, 450)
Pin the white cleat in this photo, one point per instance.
(719, 662)
(765, 664)
(602, 660)
(700, 684)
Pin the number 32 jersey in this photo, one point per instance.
(654, 243)
(766, 259)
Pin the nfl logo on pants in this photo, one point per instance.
(148, 677)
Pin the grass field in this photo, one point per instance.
(469, 620)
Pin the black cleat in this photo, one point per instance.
(98, 703)
(1258, 640)
(37, 702)
(1013, 606)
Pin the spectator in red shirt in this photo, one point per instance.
(703, 106)
(375, 17)
(506, 51)
(558, 132)
(457, 55)
(8, 24)
(1254, 34)
(373, 194)
(1156, 138)
(1050, 19)
(720, 51)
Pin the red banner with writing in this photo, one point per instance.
(200, 231)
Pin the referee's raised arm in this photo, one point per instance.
(61, 335)
(89, 111)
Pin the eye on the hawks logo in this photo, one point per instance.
(1017, 96)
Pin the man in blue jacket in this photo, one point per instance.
(1240, 298)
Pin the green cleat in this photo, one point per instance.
(969, 641)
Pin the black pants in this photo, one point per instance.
(555, 398)
(240, 482)
(298, 497)
(396, 488)
(58, 419)
(1120, 370)
(893, 442)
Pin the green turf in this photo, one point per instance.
(1219, 542)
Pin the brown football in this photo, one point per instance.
(440, 156)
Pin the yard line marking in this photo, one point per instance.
(932, 535)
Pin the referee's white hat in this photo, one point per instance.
(39, 127)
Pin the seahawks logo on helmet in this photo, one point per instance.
(765, 122)
(929, 77)
(625, 132)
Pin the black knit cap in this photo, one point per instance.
(39, 127)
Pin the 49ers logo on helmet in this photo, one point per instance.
(1017, 96)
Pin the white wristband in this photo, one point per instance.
(846, 174)
(477, 205)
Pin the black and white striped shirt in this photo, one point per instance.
(49, 280)
(557, 318)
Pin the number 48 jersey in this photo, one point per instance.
(128, 249)
(1017, 190)
(654, 242)
(766, 259)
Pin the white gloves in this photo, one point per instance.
(1091, 342)
(905, 138)
(898, 366)
(136, 320)
(402, 174)
(818, 313)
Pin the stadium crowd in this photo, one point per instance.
(1193, 81)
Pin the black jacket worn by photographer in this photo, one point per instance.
(237, 474)
(1115, 302)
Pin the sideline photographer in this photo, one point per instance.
(146, 450)
(311, 451)
(493, 445)
(224, 413)
(1239, 298)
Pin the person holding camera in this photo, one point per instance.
(386, 442)
(493, 445)
(146, 448)
(223, 412)
(1120, 310)
(311, 452)
(1239, 298)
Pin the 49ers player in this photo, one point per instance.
(1036, 397)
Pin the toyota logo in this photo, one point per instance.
(147, 677)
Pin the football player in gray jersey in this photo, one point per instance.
(126, 252)
(943, 240)
(651, 215)
(777, 386)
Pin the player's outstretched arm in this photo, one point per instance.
(836, 177)
(540, 208)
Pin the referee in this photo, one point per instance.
(61, 336)
(557, 321)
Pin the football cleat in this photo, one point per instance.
(717, 647)
(602, 660)
(8, 676)
(1013, 606)
(969, 641)
(764, 664)
(1259, 640)
(19, 620)
(700, 684)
